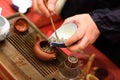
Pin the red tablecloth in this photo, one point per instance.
(43, 24)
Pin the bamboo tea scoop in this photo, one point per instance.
(51, 20)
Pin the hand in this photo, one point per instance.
(39, 6)
(85, 35)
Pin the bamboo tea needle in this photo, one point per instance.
(51, 20)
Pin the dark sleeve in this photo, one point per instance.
(108, 22)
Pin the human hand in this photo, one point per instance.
(39, 5)
(85, 35)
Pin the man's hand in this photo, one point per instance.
(86, 34)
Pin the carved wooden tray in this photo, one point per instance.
(18, 59)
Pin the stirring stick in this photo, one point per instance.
(51, 20)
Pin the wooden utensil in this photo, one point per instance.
(51, 20)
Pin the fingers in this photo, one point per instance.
(75, 47)
(78, 46)
(76, 42)
(44, 7)
(74, 38)
(51, 5)
(35, 4)
(81, 40)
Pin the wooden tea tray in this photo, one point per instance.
(17, 58)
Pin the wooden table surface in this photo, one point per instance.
(43, 24)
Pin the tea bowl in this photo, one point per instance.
(64, 32)
(4, 28)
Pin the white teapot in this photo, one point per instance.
(4, 27)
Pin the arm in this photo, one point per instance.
(104, 20)
(108, 22)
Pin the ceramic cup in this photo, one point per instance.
(64, 32)
(4, 28)
(21, 25)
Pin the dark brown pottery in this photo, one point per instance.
(43, 50)
(21, 25)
